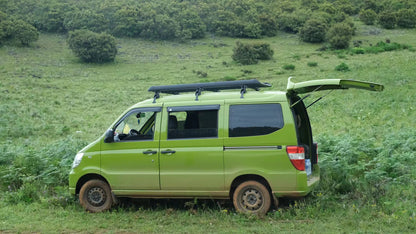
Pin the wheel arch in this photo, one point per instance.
(87, 177)
(242, 178)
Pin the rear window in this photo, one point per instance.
(255, 119)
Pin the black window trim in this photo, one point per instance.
(193, 108)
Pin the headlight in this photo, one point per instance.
(77, 160)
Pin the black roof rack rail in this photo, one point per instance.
(211, 86)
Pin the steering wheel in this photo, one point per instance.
(134, 132)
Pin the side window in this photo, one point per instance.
(136, 126)
(255, 120)
(193, 123)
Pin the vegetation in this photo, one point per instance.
(92, 47)
(314, 30)
(16, 30)
(368, 16)
(342, 67)
(406, 18)
(51, 106)
(339, 35)
(251, 53)
(387, 19)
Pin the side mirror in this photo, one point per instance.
(109, 136)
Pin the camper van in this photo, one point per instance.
(219, 140)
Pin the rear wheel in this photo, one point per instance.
(95, 196)
(252, 197)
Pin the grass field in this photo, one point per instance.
(52, 104)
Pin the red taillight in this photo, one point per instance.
(297, 156)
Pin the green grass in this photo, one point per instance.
(51, 104)
(45, 219)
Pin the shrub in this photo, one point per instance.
(268, 25)
(312, 64)
(345, 6)
(191, 25)
(18, 30)
(314, 30)
(250, 53)
(51, 17)
(342, 67)
(85, 19)
(292, 22)
(339, 36)
(264, 52)
(406, 18)
(92, 47)
(289, 67)
(387, 20)
(127, 22)
(372, 5)
(368, 16)
(159, 26)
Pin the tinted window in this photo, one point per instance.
(254, 120)
(193, 124)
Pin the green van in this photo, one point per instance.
(248, 146)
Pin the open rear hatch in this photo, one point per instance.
(329, 84)
(302, 124)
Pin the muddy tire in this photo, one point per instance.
(95, 196)
(252, 197)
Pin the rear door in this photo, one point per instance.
(327, 84)
(255, 141)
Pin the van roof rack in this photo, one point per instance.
(211, 86)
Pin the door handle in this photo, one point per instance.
(169, 152)
(149, 152)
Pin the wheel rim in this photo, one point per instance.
(96, 196)
(251, 199)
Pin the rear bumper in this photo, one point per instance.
(304, 184)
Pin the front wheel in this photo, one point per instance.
(95, 196)
(252, 197)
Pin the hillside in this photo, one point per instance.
(52, 105)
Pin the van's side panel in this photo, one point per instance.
(263, 155)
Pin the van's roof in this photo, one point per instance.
(229, 96)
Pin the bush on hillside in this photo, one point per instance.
(293, 22)
(85, 19)
(314, 30)
(51, 18)
(247, 54)
(345, 6)
(374, 5)
(387, 20)
(191, 25)
(24, 32)
(368, 16)
(342, 67)
(19, 31)
(159, 26)
(406, 18)
(268, 25)
(339, 36)
(92, 47)
(127, 22)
